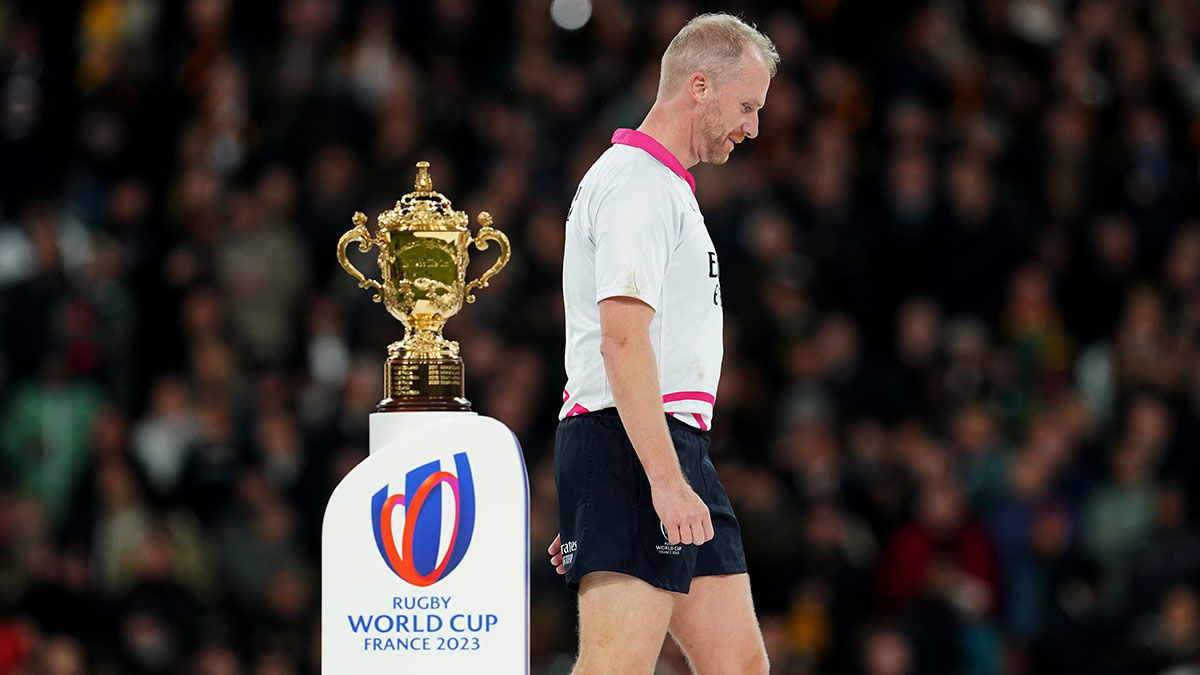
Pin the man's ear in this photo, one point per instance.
(699, 86)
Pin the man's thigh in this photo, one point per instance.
(716, 627)
(622, 623)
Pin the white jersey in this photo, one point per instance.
(635, 230)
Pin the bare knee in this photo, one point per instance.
(606, 666)
(749, 660)
(756, 663)
(604, 657)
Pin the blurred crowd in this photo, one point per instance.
(959, 414)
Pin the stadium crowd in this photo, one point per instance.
(959, 415)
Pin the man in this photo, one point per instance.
(648, 536)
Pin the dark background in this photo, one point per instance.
(959, 414)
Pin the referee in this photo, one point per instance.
(648, 537)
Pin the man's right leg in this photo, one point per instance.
(622, 624)
(717, 629)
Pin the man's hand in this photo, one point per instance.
(555, 552)
(684, 516)
(632, 371)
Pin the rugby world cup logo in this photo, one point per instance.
(416, 558)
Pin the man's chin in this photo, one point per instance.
(717, 158)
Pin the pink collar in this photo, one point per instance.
(646, 142)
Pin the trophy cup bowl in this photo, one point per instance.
(423, 256)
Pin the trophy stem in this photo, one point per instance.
(423, 383)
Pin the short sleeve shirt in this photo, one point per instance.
(635, 230)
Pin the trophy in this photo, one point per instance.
(423, 260)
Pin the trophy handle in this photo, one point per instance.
(362, 235)
(485, 234)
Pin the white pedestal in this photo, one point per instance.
(416, 579)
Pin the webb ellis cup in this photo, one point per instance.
(425, 543)
(423, 261)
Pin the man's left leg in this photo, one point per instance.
(716, 627)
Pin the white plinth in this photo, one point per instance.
(397, 596)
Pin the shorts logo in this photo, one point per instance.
(667, 548)
(415, 561)
(568, 551)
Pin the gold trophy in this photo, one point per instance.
(423, 260)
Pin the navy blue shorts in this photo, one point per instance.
(606, 516)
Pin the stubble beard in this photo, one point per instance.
(713, 136)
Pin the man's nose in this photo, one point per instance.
(750, 129)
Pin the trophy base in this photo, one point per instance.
(429, 384)
(423, 405)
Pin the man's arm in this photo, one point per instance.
(633, 375)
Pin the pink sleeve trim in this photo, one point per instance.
(691, 396)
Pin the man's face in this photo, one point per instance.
(731, 114)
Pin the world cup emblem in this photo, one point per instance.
(415, 559)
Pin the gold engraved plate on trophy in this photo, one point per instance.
(423, 244)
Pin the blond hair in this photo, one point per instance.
(712, 44)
